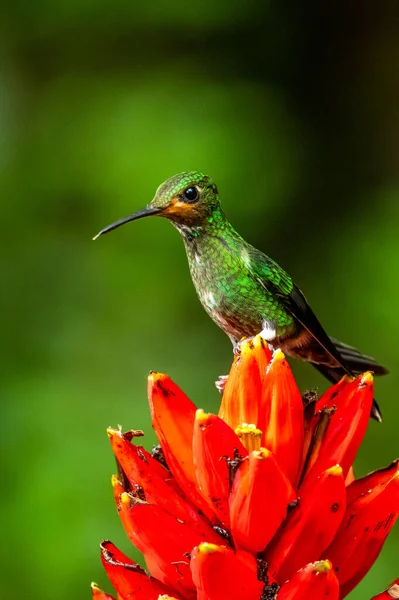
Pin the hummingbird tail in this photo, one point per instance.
(356, 361)
(334, 375)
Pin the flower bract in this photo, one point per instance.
(258, 502)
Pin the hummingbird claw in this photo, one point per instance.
(221, 383)
(237, 345)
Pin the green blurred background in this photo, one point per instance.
(293, 109)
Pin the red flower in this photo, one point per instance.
(259, 502)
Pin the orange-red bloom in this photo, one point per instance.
(257, 503)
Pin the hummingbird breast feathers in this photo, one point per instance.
(229, 291)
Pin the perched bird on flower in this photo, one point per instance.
(257, 503)
(244, 291)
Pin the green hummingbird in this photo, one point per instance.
(244, 291)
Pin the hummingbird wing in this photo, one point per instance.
(274, 279)
(297, 305)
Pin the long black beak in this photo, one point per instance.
(140, 214)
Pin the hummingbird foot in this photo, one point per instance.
(237, 345)
(221, 383)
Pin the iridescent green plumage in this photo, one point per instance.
(243, 290)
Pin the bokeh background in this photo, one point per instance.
(293, 109)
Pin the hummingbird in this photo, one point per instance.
(244, 291)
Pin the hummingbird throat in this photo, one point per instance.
(189, 233)
(211, 224)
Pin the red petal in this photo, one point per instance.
(370, 481)
(281, 415)
(391, 592)
(310, 527)
(243, 388)
(164, 540)
(98, 594)
(137, 464)
(338, 395)
(152, 481)
(219, 572)
(128, 578)
(173, 416)
(259, 500)
(316, 580)
(367, 522)
(214, 444)
(319, 428)
(346, 428)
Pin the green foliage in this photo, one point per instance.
(100, 102)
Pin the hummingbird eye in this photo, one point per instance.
(191, 194)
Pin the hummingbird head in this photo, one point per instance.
(188, 199)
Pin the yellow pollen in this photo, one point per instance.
(95, 586)
(278, 354)
(111, 431)
(207, 548)
(154, 376)
(250, 436)
(335, 470)
(114, 480)
(246, 347)
(278, 357)
(125, 498)
(367, 378)
(200, 415)
(322, 566)
(263, 453)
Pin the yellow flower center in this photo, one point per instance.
(250, 436)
